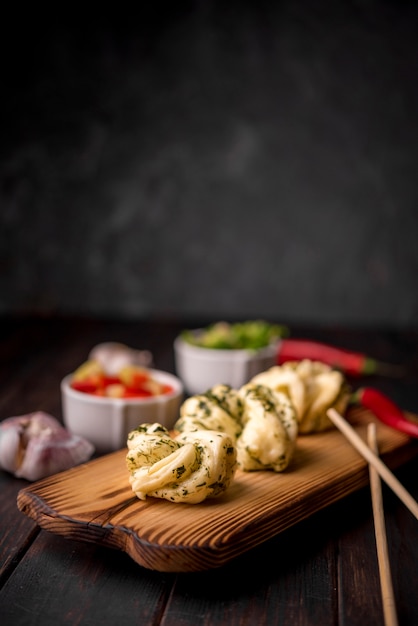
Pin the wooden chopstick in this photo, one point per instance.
(374, 460)
(388, 599)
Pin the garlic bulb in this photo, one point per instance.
(36, 445)
(113, 356)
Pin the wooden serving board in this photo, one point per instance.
(94, 502)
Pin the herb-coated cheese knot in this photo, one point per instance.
(261, 422)
(313, 387)
(188, 468)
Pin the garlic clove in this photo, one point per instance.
(9, 447)
(36, 445)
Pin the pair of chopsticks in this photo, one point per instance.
(377, 470)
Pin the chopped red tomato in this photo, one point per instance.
(110, 380)
(84, 385)
(137, 393)
(132, 382)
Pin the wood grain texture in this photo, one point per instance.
(94, 502)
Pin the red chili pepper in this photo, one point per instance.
(385, 410)
(351, 363)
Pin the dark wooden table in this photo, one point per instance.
(323, 571)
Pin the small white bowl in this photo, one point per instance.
(106, 422)
(202, 368)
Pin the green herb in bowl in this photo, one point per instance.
(249, 335)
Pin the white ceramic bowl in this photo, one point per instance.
(201, 368)
(106, 422)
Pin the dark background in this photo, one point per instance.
(217, 159)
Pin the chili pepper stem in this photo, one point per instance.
(372, 366)
(389, 369)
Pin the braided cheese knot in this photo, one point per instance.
(261, 422)
(220, 408)
(189, 468)
(269, 430)
(313, 387)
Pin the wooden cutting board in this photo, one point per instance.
(94, 502)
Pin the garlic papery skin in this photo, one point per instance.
(36, 445)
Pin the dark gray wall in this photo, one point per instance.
(225, 159)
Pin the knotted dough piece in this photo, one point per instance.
(313, 387)
(220, 408)
(261, 422)
(188, 468)
(268, 437)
